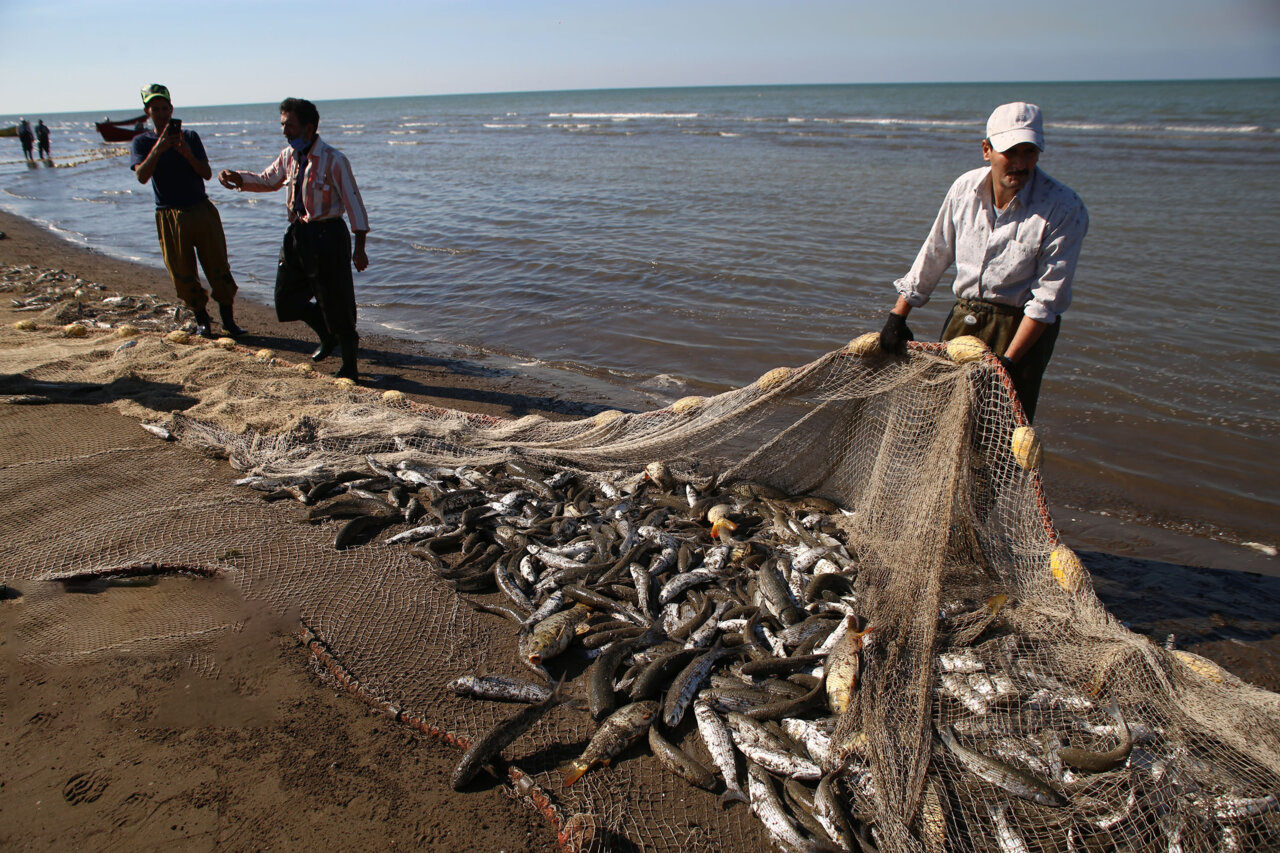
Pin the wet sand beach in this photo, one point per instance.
(150, 753)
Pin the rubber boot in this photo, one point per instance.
(229, 321)
(204, 323)
(315, 319)
(348, 370)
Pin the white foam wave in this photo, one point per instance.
(505, 126)
(905, 122)
(1131, 127)
(404, 142)
(622, 116)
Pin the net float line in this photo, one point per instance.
(574, 834)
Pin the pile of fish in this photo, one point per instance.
(62, 297)
(727, 615)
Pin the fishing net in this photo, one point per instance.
(998, 705)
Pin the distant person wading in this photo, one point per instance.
(42, 139)
(313, 278)
(1014, 235)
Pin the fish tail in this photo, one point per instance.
(731, 795)
(574, 771)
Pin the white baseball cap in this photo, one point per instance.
(1012, 124)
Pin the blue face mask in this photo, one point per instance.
(299, 144)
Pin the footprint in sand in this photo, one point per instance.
(85, 787)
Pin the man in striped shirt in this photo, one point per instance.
(313, 279)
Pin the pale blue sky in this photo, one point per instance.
(93, 55)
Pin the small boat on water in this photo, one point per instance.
(9, 131)
(123, 130)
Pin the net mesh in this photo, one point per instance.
(989, 653)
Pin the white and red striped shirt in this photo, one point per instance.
(328, 186)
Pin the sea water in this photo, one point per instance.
(663, 242)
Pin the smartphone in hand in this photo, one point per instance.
(174, 127)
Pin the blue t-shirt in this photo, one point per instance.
(174, 182)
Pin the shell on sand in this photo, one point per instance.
(966, 348)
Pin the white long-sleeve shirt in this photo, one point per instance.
(328, 186)
(1024, 256)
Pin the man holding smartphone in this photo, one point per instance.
(187, 223)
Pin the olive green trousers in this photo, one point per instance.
(996, 324)
(188, 233)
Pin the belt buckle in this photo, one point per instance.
(970, 320)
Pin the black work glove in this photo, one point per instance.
(895, 334)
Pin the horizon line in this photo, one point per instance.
(1145, 80)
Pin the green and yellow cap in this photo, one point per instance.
(155, 90)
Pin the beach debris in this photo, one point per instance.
(178, 336)
(74, 330)
(264, 355)
(25, 325)
(225, 343)
(1262, 548)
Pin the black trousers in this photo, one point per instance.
(315, 264)
(996, 324)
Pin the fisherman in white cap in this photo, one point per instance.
(1014, 235)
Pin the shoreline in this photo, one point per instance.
(472, 381)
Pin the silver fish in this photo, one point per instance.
(1001, 775)
(1006, 836)
(769, 809)
(499, 688)
(719, 742)
(689, 681)
(782, 763)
